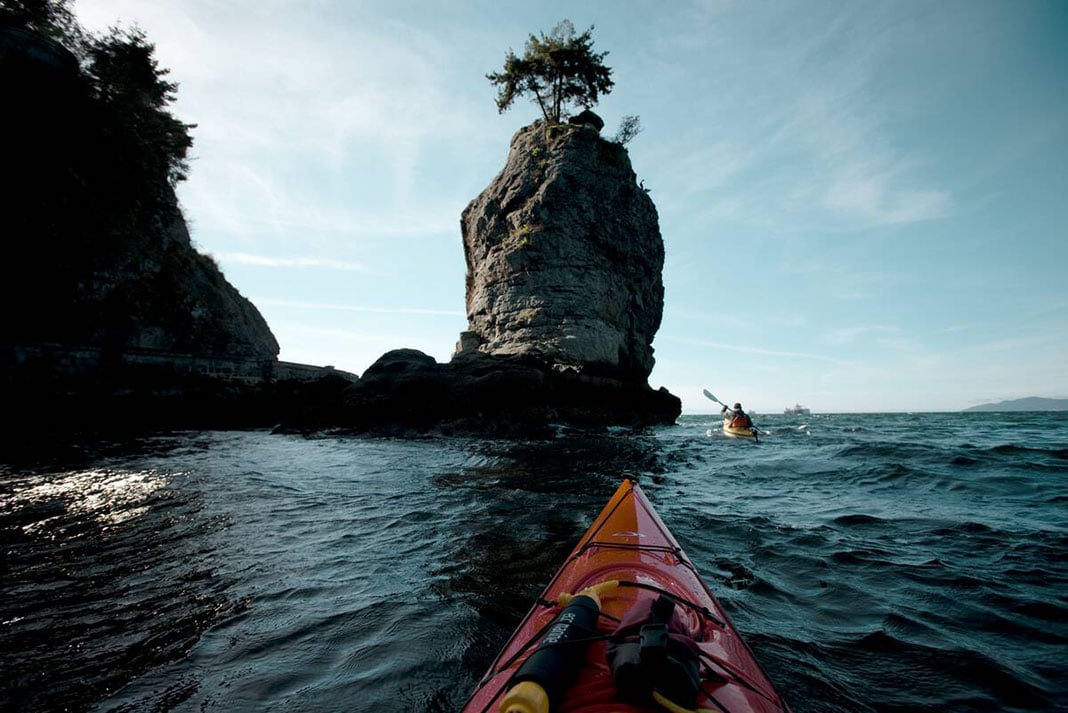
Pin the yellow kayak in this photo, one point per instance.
(740, 431)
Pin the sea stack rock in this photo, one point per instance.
(565, 257)
(564, 297)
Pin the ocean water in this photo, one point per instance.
(888, 562)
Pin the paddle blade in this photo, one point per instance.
(709, 395)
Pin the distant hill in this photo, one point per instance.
(1031, 403)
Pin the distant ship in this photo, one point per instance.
(797, 410)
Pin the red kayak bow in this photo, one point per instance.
(626, 625)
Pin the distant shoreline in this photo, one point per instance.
(1031, 403)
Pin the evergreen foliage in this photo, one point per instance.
(50, 18)
(130, 89)
(557, 70)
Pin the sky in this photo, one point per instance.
(864, 205)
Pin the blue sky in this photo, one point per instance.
(864, 205)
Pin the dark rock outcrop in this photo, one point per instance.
(587, 118)
(162, 294)
(407, 392)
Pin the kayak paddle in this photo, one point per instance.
(711, 396)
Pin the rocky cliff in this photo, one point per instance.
(564, 256)
(109, 317)
(153, 291)
(98, 252)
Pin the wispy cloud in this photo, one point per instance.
(817, 146)
(744, 349)
(338, 307)
(322, 123)
(872, 195)
(881, 337)
(293, 262)
(861, 172)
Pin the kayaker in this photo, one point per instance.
(738, 417)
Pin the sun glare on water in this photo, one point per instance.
(109, 497)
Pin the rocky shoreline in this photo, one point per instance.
(404, 394)
(408, 392)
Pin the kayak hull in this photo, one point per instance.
(628, 542)
(740, 432)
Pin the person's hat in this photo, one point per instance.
(737, 407)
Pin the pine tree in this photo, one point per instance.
(558, 70)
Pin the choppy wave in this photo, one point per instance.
(873, 563)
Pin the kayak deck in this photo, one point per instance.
(628, 542)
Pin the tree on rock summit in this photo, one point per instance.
(557, 69)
